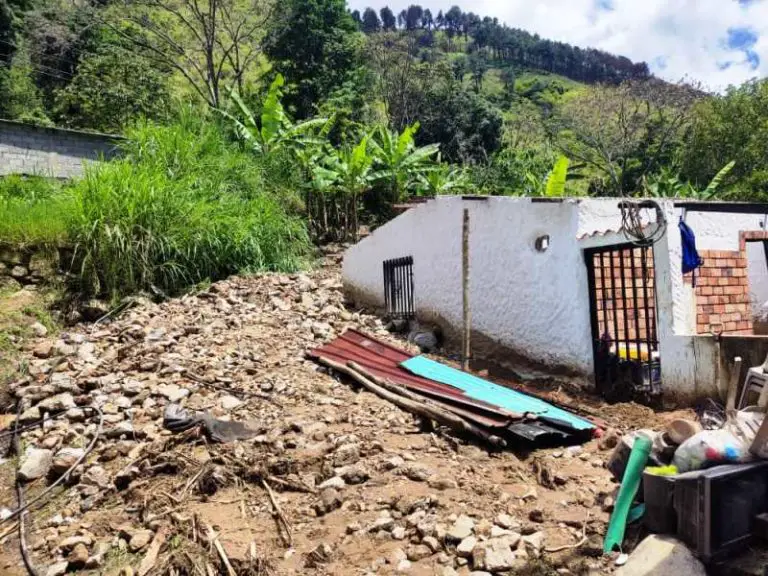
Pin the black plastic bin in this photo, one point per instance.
(716, 508)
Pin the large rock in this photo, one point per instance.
(65, 459)
(496, 554)
(35, 464)
(461, 529)
(58, 403)
(662, 556)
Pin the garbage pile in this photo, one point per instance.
(704, 482)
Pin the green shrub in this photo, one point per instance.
(182, 206)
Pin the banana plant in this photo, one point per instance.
(667, 184)
(354, 168)
(274, 130)
(711, 190)
(399, 160)
(441, 180)
(555, 186)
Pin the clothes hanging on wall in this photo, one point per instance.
(691, 258)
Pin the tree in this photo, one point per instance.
(112, 87)
(732, 126)
(439, 20)
(453, 21)
(626, 131)
(356, 17)
(427, 20)
(460, 67)
(478, 65)
(315, 46)
(413, 17)
(211, 43)
(10, 20)
(467, 127)
(371, 22)
(388, 20)
(401, 80)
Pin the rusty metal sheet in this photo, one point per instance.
(384, 360)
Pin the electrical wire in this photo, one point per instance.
(16, 445)
(28, 505)
(635, 229)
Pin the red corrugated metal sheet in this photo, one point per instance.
(384, 360)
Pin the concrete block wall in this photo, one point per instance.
(50, 152)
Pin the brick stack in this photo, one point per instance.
(722, 293)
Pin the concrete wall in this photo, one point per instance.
(51, 152)
(536, 305)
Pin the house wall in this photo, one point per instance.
(535, 305)
(531, 304)
(33, 150)
(757, 272)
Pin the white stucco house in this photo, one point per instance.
(557, 284)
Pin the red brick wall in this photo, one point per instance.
(722, 293)
(609, 285)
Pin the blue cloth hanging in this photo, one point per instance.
(691, 258)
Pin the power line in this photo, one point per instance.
(43, 72)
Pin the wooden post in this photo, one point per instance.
(733, 387)
(465, 348)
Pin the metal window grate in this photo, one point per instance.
(398, 287)
(622, 294)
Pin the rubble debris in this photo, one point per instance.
(452, 398)
(355, 475)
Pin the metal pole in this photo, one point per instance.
(465, 350)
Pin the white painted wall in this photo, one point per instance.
(757, 271)
(537, 304)
(534, 303)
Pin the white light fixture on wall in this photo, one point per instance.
(542, 243)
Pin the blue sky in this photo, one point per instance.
(716, 42)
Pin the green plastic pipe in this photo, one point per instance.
(641, 449)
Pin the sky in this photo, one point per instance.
(715, 42)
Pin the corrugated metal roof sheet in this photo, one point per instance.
(501, 396)
(386, 362)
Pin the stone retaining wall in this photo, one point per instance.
(31, 266)
(52, 152)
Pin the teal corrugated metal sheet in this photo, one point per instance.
(480, 389)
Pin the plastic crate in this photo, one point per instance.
(716, 508)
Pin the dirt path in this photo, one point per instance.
(364, 487)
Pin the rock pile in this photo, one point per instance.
(363, 486)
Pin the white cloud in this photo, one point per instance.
(678, 38)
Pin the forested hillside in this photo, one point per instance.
(323, 118)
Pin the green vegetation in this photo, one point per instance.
(255, 129)
(33, 211)
(183, 205)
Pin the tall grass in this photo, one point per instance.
(182, 206)
(34, 211)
